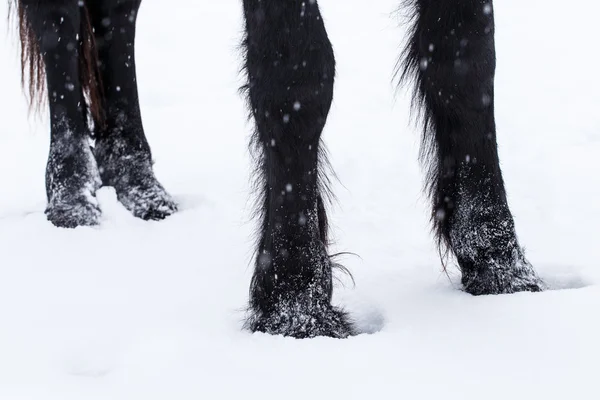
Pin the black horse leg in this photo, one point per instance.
(451, 55)
(290, 67)
(122, 151)
(72, 177)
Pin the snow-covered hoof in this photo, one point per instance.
(128, 169)
(495, 279)
(484, 241)
(148, 201)
(295, 320)
(73, 213)
(72, 179)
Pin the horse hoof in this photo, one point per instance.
(495, 280)
(148, 202)
(72, 179)
(293, 321)
(130, 173)
(73, 214)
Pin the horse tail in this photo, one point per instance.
(89, 70)
(33, 69)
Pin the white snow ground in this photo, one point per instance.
(146, 310)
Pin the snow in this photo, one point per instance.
(153, 310)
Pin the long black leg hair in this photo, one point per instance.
(290, 68)
(450, 58)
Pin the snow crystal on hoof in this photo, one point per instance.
(73, 213)
(483, 239)
(298, 322)
(72, 179)
(129, 170)
(494, 279)
(148, 203)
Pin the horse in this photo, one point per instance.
(81, 53)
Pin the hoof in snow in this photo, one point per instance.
(493, 279)
(130, 173)
(72, 179)
(148, 201)
(74, 213)
(293, 321)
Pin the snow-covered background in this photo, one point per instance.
(153, 310)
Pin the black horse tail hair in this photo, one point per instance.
(33, 70)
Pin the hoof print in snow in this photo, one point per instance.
(369, 322)
(565, 277)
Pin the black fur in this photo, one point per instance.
(450, 58)
(290, 67)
